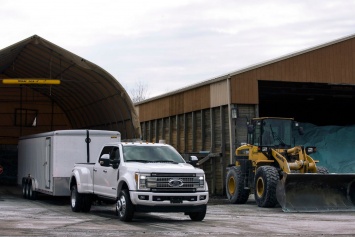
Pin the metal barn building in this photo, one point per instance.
(209, 119)
(85, 97)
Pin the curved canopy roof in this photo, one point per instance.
(88, 96)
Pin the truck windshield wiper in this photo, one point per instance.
(142, 161)
(153, 161)
(164, 161)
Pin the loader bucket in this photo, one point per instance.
(314, 192)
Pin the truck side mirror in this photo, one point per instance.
(193, 160)
(104, 160)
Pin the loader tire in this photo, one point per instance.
(322, 170)
(236, 193)
(266, 179)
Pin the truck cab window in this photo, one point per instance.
(106, 150)
(115, 153)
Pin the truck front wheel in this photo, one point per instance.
(198, 216)
(76, 199)
(124, 206)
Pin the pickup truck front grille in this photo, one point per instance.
(173, 183)
(165, 182)
(173, 190)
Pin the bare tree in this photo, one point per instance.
(139, 92)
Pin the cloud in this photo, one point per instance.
(174, 44)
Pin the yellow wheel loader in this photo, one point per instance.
(279, 173)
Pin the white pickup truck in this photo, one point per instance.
(140, 177)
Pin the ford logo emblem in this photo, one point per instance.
(175, 182)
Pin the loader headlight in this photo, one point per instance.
(311, 149)
(264, 149)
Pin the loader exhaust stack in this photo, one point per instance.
(314, 192)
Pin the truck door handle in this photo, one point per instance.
(95, 170)
(105, 171)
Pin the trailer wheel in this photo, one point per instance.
(236, 193)
(76, 199)
(198, 216)
(266, 179)
(24, 188)
(28, 189)
(31, 194)
(322, 170)
(124, 206)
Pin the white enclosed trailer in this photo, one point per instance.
(45, 160)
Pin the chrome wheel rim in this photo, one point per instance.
(73, 199)
(121, 205)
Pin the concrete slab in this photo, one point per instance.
(49, 216)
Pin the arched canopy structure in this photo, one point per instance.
(87, 97)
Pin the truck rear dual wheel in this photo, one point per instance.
(124, 206)
(79, 202)
(266, 179)
(76, 199)
(87, 201)
(236, 193)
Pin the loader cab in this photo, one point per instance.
(271, 132)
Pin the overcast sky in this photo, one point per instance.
(168, 45)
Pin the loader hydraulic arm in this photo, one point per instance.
(304, 163)
(284, 165)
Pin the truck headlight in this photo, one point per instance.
(144, 181)
(201, 179)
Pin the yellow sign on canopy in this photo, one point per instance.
(31, 81)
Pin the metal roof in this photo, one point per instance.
(89, 96)
(246, 69)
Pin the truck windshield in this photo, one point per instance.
(142, 153)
